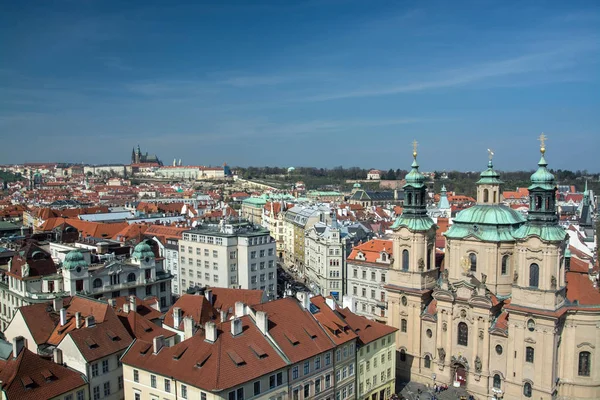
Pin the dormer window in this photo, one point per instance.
(384, 256)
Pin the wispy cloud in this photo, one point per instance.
(560, 58)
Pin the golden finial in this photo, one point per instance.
(542, 140)
(415, 143)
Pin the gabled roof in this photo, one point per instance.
(145, 308)
(31, 377)
(142, 328)
(333, 323)
(294, 329)
(581, 289)
(92, 229)
(39, 261)
(191, 305)
(371, 250)
(366, 329)
(226, 363)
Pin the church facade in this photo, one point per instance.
(503, 315)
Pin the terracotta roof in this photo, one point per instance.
(31, 377)
(142, 328)
(581, 266)
(169, 232)
(40, 319)
(146, 307)
(87, 228)
(225, 298)
(372, 250)
(228, 362)
(39, 261)
(502, 321)
(334, 324)
(132, 232)
(581, 289)
(191, 305)
(294, 329)
(366, 329)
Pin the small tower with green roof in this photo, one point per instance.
(488, 185)
(75, 272)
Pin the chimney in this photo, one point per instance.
(57, 304)
(90, 321)
(176, 317)
(304, 300)
(112, 302)
(77, 320)
(63, 316)
(126, 308)
(210, 332)
(57, 356)
(188, 327)
(348, 302)
(262, 321)
(330, 302)
(158, 343)
(239, 309)
(223, 315)
(132, 303)
(236, 326)
(209, 295)
(18, 345)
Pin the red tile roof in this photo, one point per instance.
(581, 289)
(335, 326)
(44, 378)
(367, 330)
(292, 328)
(372, 250)
(87, 228)
(228, 362)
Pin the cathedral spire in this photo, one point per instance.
(542, 191)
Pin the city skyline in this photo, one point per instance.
(302, 83)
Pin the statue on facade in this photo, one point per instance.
(442, 354)
(553, 282)
(445, 275)
(515, 277)
(421, 264)
(478, 364)
(483, 278)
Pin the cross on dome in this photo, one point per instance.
(542, 140)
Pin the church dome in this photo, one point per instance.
(542, 178)
(74, 259)
(142, 251)
(489, 215)
(356, 185)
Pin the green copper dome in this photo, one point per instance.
(542, 178)
(356, 185)
(414, 178)
(490, 223)
(74, 259)
(489, 176)
(142, 251)
(489, 214)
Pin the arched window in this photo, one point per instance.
(473, 259)
(486, 195)
(427, 361)
(495, 197)
(527, 389)
(97, 283)
(410, 199)
(463, 334)
(405, 260)
(402, 355)
(584, 363)
(497, 381)
(534, 275)
(403, 325)
(547, 208)
(131, 277)
(505, 264)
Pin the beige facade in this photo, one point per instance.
(454, 326)
(376, 364)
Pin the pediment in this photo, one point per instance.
(529, 340)
(481, 301)
(464, 292)
(443, 295)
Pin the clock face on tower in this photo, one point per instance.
(78, 269)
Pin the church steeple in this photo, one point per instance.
(415, 190)
(542, 192)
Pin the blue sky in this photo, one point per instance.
(322, 83)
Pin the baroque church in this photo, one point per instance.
(503, 315)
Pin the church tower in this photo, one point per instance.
(488, 186)
(414, 272)
(541, 246)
